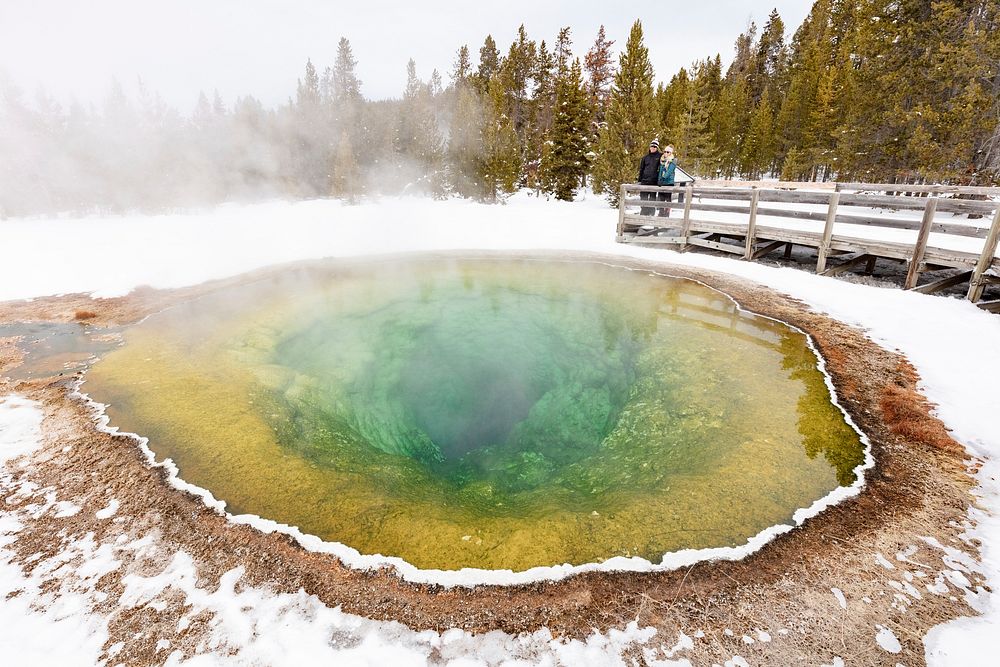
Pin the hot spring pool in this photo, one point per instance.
(486, 413)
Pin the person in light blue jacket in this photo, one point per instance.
(665, 177)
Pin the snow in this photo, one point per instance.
(839, 594)
(884, 562)
(20, 427)
(64, 508)
(31, 619)
(887, 640)
(947, 340)
(108, 511)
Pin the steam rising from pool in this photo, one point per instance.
(486, 413)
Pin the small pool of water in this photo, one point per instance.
(56, 348)
(486, 413)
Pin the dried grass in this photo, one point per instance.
(908, 414)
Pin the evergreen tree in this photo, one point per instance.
(462, 67)
(570, 142)
(311, 146)
(542, 106)
(514, 73)
(768, 65)
(545, 177)
(344, 183)
(436, 86)
(345, 108)
(692, 134)
(760, 146)
(419, 140)
(600, 73)
(630, 118)
(671, 100)
(464, 155)
(729, 119)
(563, 52)
(501, 151)
(811, 51)
(308, 89)
(489, 63)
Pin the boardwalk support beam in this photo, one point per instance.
(977, 284)
(752, 224)
(831, 217)
(920, 247)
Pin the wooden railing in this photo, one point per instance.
(859, 204)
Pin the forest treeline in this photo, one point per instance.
(864, 90)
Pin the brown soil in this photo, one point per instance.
(919, 487)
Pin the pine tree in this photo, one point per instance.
(464, 154)
(692, 135)
(501, 164)
(344, 183)
(489, 63)
(346, 86)
(819, 139)
(541, 106)
(308, 89)
(760, 146)
(768, 65)
(345, 106)
(570, 141)
(600, 73)
(630, 117)
(729, 119)
(811, 52)
(545, 176)
(515, 72)
(310, 144)
(462, 67)
(202, 116)
(563, 51)
(671, 100)
(419, 139)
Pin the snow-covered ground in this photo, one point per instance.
(952, 344)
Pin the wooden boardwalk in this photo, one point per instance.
(853, 222)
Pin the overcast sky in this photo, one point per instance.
(259, 47)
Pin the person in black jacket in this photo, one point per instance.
(649, 168)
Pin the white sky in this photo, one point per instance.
(259, 47)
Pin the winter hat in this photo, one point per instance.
(655, 142)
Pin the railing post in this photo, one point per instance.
(752, 224)
(913, 271)
(824, 248)
(686, 222)
(977, 284)
(621, 214)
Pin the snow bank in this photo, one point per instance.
(20, 427)
(30, 619)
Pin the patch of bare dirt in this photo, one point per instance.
(919, 487)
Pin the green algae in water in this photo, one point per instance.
(486, 413)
